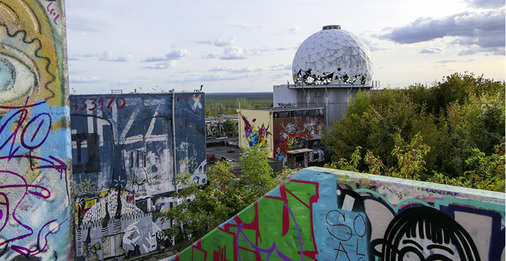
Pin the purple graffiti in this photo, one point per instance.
(23, 132)
(53, 13)
(11, 200)
(33, 135)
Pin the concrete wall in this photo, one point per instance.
(323, 214)
(34, 132)
(124, 163)
(284, 96)
(333, 97)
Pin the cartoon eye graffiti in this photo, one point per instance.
(17, 79)
(30, 64)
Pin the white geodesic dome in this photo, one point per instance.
(332, 55)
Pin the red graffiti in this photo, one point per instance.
(90, 104)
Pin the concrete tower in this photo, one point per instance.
(329, 67)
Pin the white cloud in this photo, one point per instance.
(110, 57)
(454, 61)
(233, 70)
(211, 56)
(233, 53)
(245, 27)
(174, 55)
(136, 82)
(482, 29)
(84, 79)
(220, 42)
(294, 29)
(431, 50)
(161, 66)
(486, 3)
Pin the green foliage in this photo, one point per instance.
(446, 125)
(208, 110)
(344, 164)
(228, 103)
(257, 172)
(230, 128)
(243, 103)
(410, 157)
(224, 196)
(487, 171)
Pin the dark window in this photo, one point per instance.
(137, 152)
(87, 153)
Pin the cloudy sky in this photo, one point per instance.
(248, 46)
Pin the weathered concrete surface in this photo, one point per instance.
(324, 214)
(126, 151)
(35, 191)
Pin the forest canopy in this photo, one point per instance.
(451, 133)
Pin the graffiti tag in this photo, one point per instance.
(91, 104)
(53, 13)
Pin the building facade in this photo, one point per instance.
(292, 135)
(328, 70)
(126, 151)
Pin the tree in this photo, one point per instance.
(230, 128)
(208, 110)
(447, 125)
(223, 197)
(242, 103)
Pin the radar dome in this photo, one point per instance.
(332, 55)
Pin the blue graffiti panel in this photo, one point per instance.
(127, 149)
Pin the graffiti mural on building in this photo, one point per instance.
(34, 133)
(255, 135)
(297, 129)
(126, 151)
(323, 214)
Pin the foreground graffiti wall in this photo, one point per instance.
(125, 154)
(34, 132)
(323, 214)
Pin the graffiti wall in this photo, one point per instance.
(297, 129)
(283, 130)
(255, 128)
(323, 214)
(34, 132)
(126, 151)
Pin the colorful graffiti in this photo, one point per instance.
(323, 214)
(34, 133)
(299, 129)
(255, 135)
(126, 151)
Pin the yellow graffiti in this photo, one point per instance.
(85, 186)
(29, 46)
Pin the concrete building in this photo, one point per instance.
(126, 151)
(328, 69)
(292, 134)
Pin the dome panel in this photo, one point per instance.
(332, 51)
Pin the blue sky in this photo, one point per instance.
(239, 46)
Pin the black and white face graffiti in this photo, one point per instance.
(425, 234)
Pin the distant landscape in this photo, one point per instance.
(227, 103)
